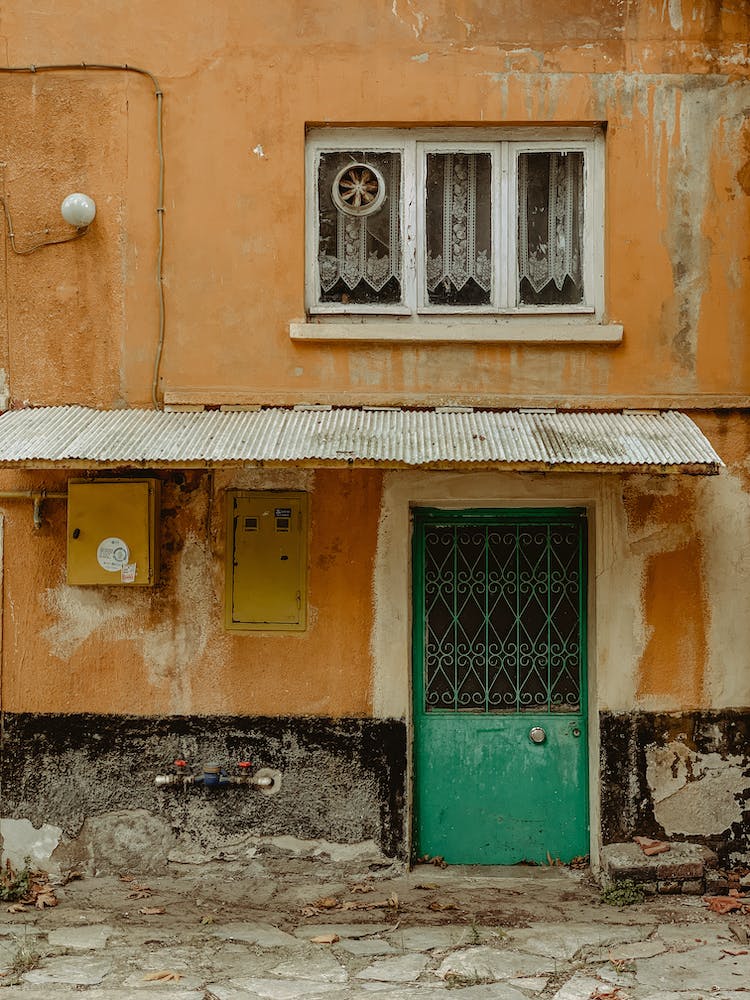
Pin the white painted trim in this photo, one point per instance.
(504, 145)
(519, 330)
(391, 642)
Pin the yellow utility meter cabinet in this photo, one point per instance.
(112, 532)
(266, 561)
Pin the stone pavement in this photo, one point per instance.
(238, 931)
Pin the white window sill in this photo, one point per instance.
(518, 330)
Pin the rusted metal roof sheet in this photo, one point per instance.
(657, 440)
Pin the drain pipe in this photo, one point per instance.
(265, 780)
(38, 496)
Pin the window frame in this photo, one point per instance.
(504, 145)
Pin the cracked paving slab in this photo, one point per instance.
(404, 969)
(272, 989)
(343, 930)
(705, 968)
(321, 967)
(263, 935)
(567, 940)
(492, 964)
(73, 971)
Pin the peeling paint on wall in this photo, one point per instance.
(82, 612)
(724, 516)
(681, 775)
(694, 793)
(4, 389)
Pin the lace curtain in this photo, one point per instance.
(550, 214)
(359, 257)
(459, 248)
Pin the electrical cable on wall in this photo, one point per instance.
(113, 67)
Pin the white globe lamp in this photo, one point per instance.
(78, 210)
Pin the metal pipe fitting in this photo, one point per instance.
(266, 780)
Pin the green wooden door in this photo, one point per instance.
(500, 747)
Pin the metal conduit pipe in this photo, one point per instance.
(38, 496)
(265, 780)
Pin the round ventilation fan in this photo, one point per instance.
(359, 189)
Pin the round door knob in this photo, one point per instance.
(537, 735)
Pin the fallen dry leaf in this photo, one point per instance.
(127, 878)
(206, 920)
(152, 911)
(725, 904)
(439, 861)
(140, 892)
(438, 906)
(45, 897)
(362, 887)
(16, 908)
(327, 903)
(164, 976)
(325, 939)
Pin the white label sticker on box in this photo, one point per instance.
(112, 554)
(127, 573)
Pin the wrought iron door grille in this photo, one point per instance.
(503, 616)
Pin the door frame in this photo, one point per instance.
(483, 507)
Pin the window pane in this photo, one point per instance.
(459, 229)
(359, 243)
(550, 228)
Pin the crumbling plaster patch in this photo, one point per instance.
(724, 516)
(694, 794)
(183, 637)
(82, 612)
(4, 389)
(20, 839)
(79, 612)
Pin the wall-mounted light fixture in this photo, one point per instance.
(77, 209)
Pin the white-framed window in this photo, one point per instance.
(428, 222)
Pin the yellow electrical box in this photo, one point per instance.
(112, 532)
(266, 561)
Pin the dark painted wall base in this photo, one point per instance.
(708, 743)
(343, 779)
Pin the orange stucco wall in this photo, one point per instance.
(669, 81)
(164, 650)
(79, 323)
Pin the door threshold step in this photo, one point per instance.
(685, 868)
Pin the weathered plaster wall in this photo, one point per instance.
(681, 775)
(669, 81)
(90, 780)
(164, 649)
(670, 595)
(670, 622)
(161, 653)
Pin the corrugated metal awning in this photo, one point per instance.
(76, 436)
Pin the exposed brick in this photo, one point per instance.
(692, 887)
(669, 888)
